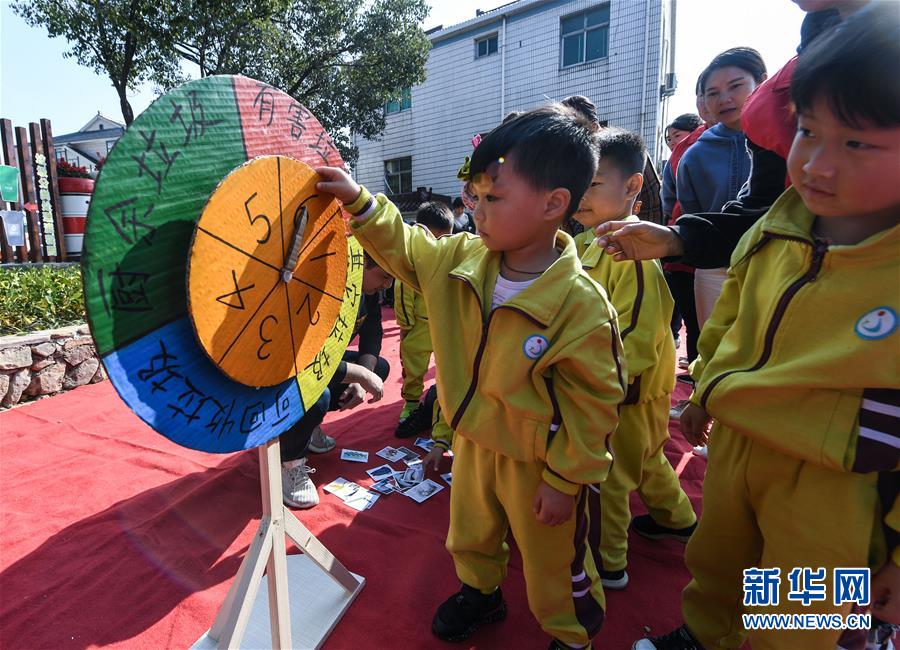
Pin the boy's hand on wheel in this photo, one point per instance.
(338, 182)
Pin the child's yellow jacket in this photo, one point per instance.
(540, 378)
(641, 298)
(802, 351)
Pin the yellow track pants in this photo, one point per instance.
(640, 464)
(415, 355)
(493, 494)
(764, 509)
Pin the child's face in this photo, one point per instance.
(674, 136)
(609, 197)
(510, 213)
(841, 171)
(725, 92)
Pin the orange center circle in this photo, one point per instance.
(258, 316)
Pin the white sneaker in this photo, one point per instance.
(676, 411)
(319, 443)
(297, 488)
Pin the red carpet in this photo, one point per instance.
(113, 536)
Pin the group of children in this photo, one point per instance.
(555, 364)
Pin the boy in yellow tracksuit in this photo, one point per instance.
(644, 305)
(529, 370)
(412, 317)
(798, 366)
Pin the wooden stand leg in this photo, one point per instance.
(268, 551)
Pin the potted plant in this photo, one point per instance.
(73, 179)
(75, 188)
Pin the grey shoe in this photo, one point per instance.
(319, 443)
(297, 488)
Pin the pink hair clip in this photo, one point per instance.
(476, 140)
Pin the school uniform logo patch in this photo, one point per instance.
(876, 324)
(535, 346)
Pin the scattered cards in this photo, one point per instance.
(425, 443)
(380, 473)
(355, 496)
(447, 477)
(412, 475)
(340, 487)
(390, 454)
(423, 490)
(361, 499)
(408, 454)
(355, 456)
(387, 486)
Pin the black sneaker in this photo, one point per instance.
(416, 423)
(680, 639)
(459, 615)
(644, 526)
(614, 579)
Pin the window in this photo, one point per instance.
(100, 127)
(402, 103)
(398, 175)
(585, 36)
(485, 46)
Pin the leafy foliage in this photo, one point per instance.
(116, 38)
(38, 298)
(343, 59)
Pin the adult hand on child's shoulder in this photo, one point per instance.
(338, 182)
(552, 507)
(886, 593)
(695, 423)
(644, 240)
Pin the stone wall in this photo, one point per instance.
(45, 363)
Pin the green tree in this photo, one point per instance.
(343, 59)
(116, 38)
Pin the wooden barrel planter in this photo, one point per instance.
(75, 197)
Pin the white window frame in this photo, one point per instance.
(486, 39)
(398, 175)
(584, 31)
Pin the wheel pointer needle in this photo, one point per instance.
(288, 271)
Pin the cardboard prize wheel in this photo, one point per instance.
(222, 290)
(190, 228)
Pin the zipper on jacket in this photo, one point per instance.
(819, 249)
(478, 355)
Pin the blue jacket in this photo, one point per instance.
(713, 170)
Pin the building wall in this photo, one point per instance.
(461, 96)
(97, 148)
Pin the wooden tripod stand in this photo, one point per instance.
(326, 588)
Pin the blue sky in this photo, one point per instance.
(37, 81)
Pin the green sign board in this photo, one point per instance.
(9, 183)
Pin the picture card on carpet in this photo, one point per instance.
(423, 490)
(355, 455)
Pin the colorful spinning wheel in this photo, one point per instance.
(220, 288)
